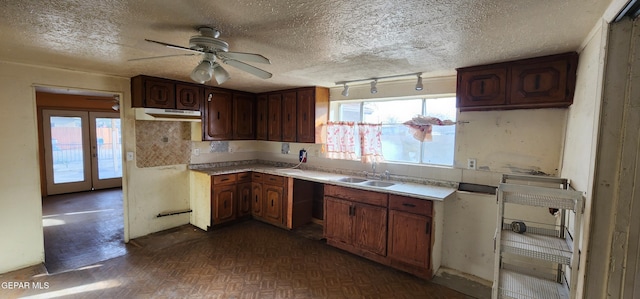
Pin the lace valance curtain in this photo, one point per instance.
(370, 142)
(341, 142)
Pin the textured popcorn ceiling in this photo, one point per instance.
(309, 42)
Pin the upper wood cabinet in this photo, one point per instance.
(243, 116)
(301, 115)
(216, 113)
(262, 117)
(313, 114)
(289, 116)
(541, 82)
(188, 96)
(274, 126)
(152, 92)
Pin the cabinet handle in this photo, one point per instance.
(537, 83)
(481, 87)
(256, 198)
(409, 205)
(272, 202)
(224, 204)
(428, 228)
(223, 180)
(304, 116)
(218, 114)
(261, 116)
(288, 117)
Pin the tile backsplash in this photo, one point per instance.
(160, 143)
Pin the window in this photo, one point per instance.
(398, 143)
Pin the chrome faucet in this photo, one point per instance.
(387, 175)
(373, 166)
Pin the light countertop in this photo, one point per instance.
(428, 192)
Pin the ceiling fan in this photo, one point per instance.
(215, 50)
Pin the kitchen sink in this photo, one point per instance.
(351, 180)
(379, 184)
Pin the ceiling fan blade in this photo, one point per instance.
(163, 56)
(173, 46)
(248, 68)
(250, 57)
(220, 74)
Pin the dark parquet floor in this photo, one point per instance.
(244, 260)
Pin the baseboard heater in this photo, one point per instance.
(174, 213)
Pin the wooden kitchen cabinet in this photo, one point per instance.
(188, 96)
(262, 117)
(243, 116)
(244, 188)
(217, 121)
(152, 92)
(289, 116)
(273, 192)
(541, 82)
(274, 125)
(356, 220)
(223, 198)
(410, 230)
(313, 113)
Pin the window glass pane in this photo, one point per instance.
(109, 148)
(350, 112)
(441, 148)
(397, 142)
(67, 150)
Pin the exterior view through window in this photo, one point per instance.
(398, 142)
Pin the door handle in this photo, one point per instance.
(409, 205)
(428, 228)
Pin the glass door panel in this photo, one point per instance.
(106, 148)
(66, 151)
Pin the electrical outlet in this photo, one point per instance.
(471, 164)
(196, 152)
(129, 156)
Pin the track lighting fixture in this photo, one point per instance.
(419, 83)
(345, 91)
(374, 82)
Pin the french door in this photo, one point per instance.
(83, 150)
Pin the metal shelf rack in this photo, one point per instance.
(533, 259)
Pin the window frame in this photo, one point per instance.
(423, 98)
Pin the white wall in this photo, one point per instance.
(578, 161)
(20, 199)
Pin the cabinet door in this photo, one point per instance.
(338, 222)
(256, 199)
(243, 116)
(289, 117)
(262, 117)
(275, 118)
(306, 126)
(159, 94)
(370, 228)
(409, 238)
(216, 124)
(540, 82)
(273, 196)
(244, 199)
(482, 87)
(223, 204)
(188, 97)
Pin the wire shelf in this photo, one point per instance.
(537, 246)
(516, 285)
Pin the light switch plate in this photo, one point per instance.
(129, 156)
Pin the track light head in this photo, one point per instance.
(419, 83)
(345, 91)
(374, 89)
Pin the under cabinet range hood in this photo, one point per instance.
(167, 114)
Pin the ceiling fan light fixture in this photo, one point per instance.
(374, 89)
(220, 74)
(203, 72)
(345, 91)
(419, 85)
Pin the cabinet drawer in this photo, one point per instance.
(257, 177)
(273, 179)
(357, 195)
(224, 178)
(410, 205)
(244, 177)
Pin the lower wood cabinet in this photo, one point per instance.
(410, 227)
(223, 203)
(389, 229)
(356, 220)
